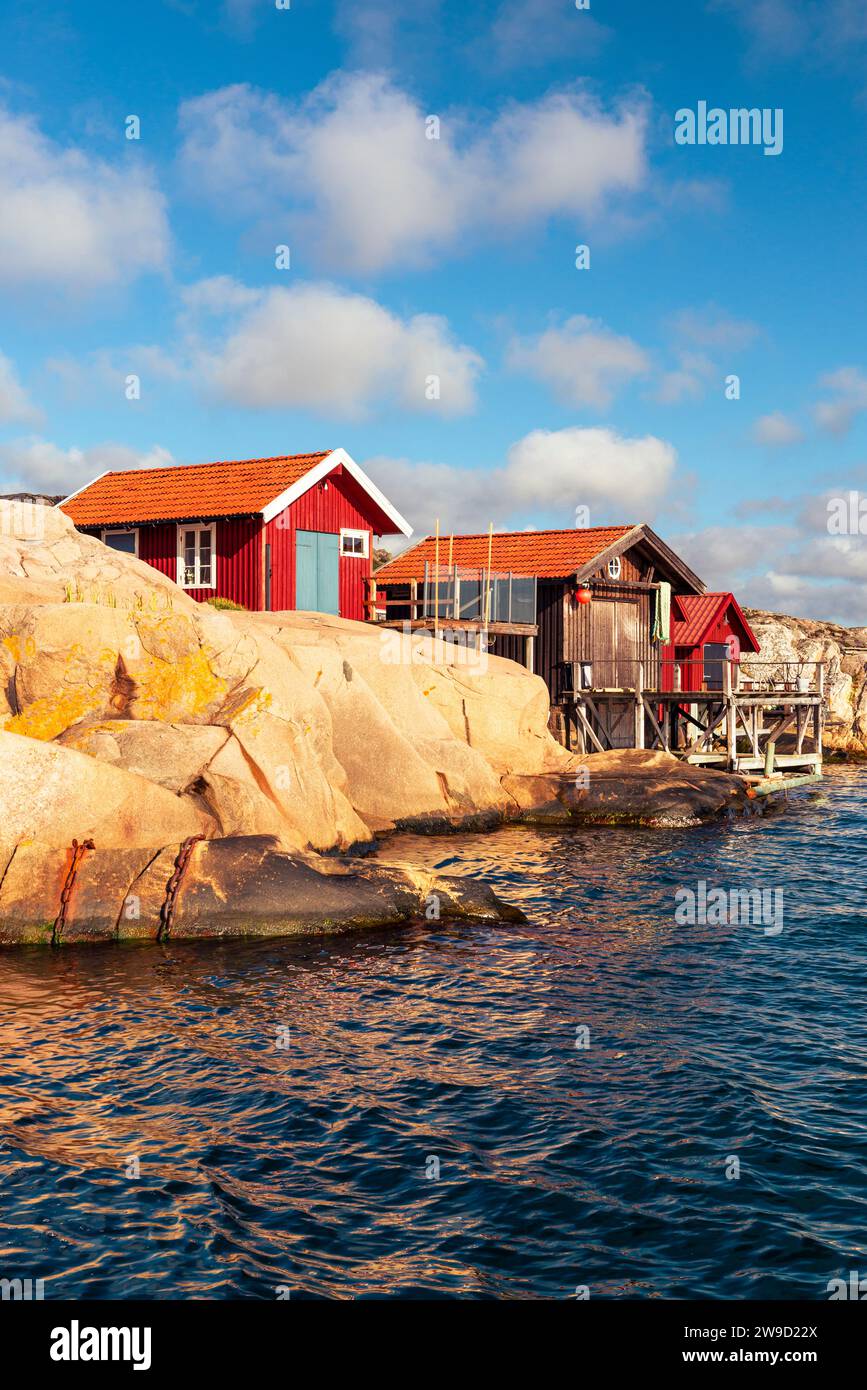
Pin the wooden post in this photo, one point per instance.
(371, 600)
(819, 709)
(413, 599)
(770, 750)
(639, 707)
(437, 580)
(529, 644)
(731, 719)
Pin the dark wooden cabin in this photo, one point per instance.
(590, 617)
(634, 650)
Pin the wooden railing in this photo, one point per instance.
(701, 677)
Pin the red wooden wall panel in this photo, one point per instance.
(322, 508)
(238, 551)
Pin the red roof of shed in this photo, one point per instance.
(236, 487)
(699, 613)
(546, 554)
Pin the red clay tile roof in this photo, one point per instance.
(546, 554)
(233, 488)
(700, 612)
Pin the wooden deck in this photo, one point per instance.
(764, 718)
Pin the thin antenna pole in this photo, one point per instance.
(488, 586)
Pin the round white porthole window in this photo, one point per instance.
(614, 567)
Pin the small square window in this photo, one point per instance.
(354, 543)
(127, 541)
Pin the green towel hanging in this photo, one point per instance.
(662, 614)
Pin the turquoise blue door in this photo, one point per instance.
(317, 560)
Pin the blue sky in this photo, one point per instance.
(451, 261)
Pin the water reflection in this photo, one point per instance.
(305, 1165)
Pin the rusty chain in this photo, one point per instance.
(78, 851)
(167, 911)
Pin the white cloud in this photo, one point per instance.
(699, 338)
(713, 327)
(545, 477)
(15, 404)
(538, 31)
(687, 381)
(101, 375)
(70, 220)
(796, 569)
(321, 348)
(219, 295)
(383, 34)
(38, 465)
(311, 346)
(583, 362)
(776, 431)
(594, 467)
(351, 169)
(819, 29)
(720, 554)
(562, 155)
(848, 386)
(775, 27)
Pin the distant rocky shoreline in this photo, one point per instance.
(844, 649)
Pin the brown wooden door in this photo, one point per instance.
(603, 626)
(616, 632)
(628, 643)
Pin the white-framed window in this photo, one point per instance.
(614, 568)
(118, 539)
(354, 543)
(197, 557)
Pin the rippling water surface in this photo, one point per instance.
(305, 1167)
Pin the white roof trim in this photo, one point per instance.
(315, 475)
(84, 487)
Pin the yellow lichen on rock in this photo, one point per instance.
(185, 690)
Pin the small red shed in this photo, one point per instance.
(294, 531)
(706, 629)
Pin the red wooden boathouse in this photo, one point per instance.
(706, 629)
(294, 531)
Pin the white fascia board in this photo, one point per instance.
(321, 470)
(84, 486)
